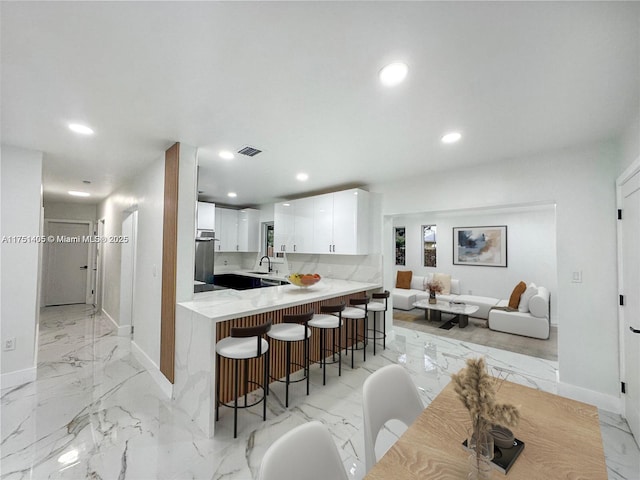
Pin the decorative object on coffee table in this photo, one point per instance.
(477, 391)
(434, 287)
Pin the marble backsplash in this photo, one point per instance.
(358, 268)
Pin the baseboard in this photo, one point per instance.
(110, 318)
(19, 377)
(123, 330)
(604, 401)
(165, 385)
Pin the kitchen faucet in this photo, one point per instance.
(268, 261)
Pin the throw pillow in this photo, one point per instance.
(514, 299)
(403, 279)
(531, 290)
(443, 279)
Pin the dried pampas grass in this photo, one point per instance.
(476, 389)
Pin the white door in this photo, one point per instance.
(67, 266)
(128, 269)
(631, 310)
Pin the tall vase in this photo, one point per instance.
(481, 446)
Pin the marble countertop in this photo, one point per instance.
(220, 305)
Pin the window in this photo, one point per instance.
(429, 242)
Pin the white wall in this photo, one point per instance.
(581, 183)
(21, 209)
(146, 193)
(531, 249)
(70, 211)
(187, 199)
(630, 144)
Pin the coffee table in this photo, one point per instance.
(460, 311)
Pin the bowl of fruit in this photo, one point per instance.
(303, 280)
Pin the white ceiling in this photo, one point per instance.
(299, 81)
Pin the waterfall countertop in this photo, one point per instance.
(221, 305)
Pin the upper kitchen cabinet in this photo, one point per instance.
(206, 216)
(248, 230)
(293, 226)
(226, 230)
(237, 230)
(341, 223)
(333, 223)
(284, 225)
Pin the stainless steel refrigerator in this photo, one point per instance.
(205, 256)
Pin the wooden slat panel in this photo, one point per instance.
(169, 262)
(278, 352)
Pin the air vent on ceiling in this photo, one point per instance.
(249, 151)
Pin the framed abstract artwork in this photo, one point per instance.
(481, 246)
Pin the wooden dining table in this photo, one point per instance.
(562, 440)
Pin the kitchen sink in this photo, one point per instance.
(260, 273)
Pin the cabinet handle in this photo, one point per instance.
(329, 248)
(294, 248)
(634, 330)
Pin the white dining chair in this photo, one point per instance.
(379, 406)
(305, 453)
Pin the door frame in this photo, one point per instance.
(632, 170)
(133, 244)
(99, 265)
(87, 292)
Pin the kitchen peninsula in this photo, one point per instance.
(201, 322)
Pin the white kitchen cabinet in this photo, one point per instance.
(249, 230)
(333, 223)
(226, 230)
(303, 225)
(284, 226)
(341, 223)
(351, 222)
(323, 224)
(206, 216)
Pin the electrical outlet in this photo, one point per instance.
(9, 344)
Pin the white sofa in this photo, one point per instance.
(404, 299)
(533, 323)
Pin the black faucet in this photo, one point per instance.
(268, 261)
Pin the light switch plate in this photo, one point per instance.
(576, 277)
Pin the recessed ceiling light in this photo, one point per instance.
(232, 194)
(451, 137)
(286, 204)
(393, 74)
(81, 129)
(79, 194)
(303, 177)
(226, 154)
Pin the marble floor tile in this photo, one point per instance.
(95, 413)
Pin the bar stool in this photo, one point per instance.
(244, 344)
(330, 318)
(294, 328)
(375, 307)
(356, 311)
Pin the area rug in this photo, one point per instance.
(478, 332)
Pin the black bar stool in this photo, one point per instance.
(244, 344)
(330, 318)
(376, 334)
(294, 328)
(356, 311)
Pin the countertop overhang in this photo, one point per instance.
(221, 305)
